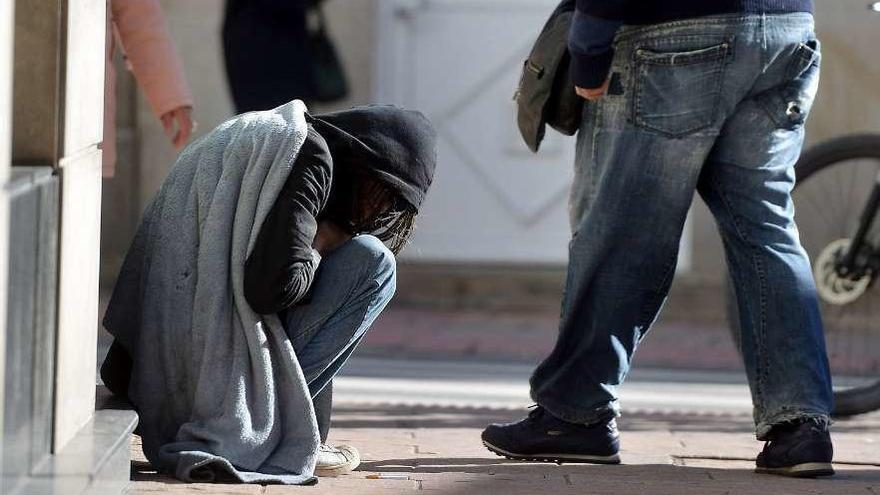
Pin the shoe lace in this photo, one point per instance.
(536, 413)
(781, 430)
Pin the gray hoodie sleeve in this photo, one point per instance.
(281, 268)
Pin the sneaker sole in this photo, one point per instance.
(806, 470)
(557, 458)
(337, 470)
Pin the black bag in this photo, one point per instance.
(546, 94)
(327, 74)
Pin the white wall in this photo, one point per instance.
(848, 101)
(195, 28)
(459, 61)
(849, 93)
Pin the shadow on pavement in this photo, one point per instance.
(427, 416)
(437, 448)
(393, 417)
(479, 465)
(480, 475)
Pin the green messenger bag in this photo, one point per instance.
(546, 94)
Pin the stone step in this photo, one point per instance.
(96, 462)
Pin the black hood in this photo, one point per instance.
(399, 146)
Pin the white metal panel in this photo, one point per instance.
(458, 61)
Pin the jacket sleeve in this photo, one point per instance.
(281, 268)
(150, 53)
(593, 28)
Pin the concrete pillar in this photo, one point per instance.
(6, 27)
(56, 442)
(80, 170)
(38, 85)
(58, 124)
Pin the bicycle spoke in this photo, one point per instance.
(821, 213)
(842, 193)
(829, 207)
(851, 193)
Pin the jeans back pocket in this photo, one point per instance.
(677, 92)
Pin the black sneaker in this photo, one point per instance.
(541, 437)
(799, 450)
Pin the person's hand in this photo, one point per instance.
(592, 94)
(329, 238)
(182, 116)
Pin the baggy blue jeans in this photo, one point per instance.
(714, 105)
(353, 285)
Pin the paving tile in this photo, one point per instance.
(647, 447)
(662, 454)
(451, 443)
(178, 488)
(501, 483)
(355, 484)
(658, 480)
(857, 447)
(705, 444)
(850, 447)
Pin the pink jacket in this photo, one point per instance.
(139, 27)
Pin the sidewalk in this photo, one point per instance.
(438, 450)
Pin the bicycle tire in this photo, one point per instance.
(856, 400)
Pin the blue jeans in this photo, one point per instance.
(714, 105)
(353, 285)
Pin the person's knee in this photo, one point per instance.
(375, 255)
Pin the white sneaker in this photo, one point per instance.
(335, 461)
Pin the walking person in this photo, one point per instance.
(256, 272)
(279, 50)
(138, 28)
(686, 95)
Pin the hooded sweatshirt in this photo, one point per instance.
(397, 146)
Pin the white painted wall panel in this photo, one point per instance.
(459, 61)
(849, 99)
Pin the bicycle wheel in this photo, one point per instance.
(835, 180)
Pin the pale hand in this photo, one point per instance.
(179, 134)
(329, 238)
(592, 94)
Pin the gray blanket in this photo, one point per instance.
(218, 388)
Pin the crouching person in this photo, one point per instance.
(255, 274)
